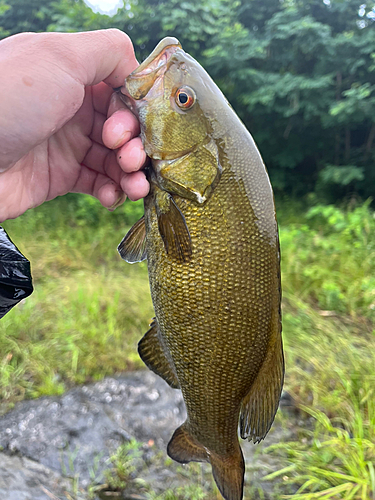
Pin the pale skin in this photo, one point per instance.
(61, 128)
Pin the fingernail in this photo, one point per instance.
(137, 158)
(124, 137)
(118, 202)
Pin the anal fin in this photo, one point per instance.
(259, 407)
(152, 354)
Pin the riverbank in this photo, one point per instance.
(89, 310)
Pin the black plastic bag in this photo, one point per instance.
(15, 275)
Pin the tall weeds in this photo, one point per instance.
(89, 310)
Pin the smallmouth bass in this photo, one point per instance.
(210, 237)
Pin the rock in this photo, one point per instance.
(24, 479)
(70, 434)
(73, 436)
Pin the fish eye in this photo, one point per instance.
(185, 97)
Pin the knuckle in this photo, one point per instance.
(119, 39)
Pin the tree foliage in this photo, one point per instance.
(300, 73)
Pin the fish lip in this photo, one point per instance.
(167, 46)
(138, 83)
(129, 102)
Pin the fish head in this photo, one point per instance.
(174, 99)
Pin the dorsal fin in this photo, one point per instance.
(154, 357)
(228, 470)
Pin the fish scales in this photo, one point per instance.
(197, 307)
(213, 263)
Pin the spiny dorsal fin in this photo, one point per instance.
(152, 354)
(175, 233)
(260, 405)
(133, 247)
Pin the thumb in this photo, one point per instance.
(43, 79)
(94, 56)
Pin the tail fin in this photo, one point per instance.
(227, 471)
(229, 474)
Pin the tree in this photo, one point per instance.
(19, 15)
(300, 73)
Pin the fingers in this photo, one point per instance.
(105, 162)
(135, 185)
(131, 156)
(120, 132)
(50, 71)
(109, 193)
(101, 97)
(97, 127)
(102, 161)
(99, 185)
(109, 55)
(120, 128)
(110, 196)
(103, 165)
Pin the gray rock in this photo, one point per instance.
(24, 479)
(76, 433)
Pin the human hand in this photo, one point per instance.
(55, 137)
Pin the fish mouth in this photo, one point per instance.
(138, 83)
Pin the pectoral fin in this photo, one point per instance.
(260, 405)
(152, 354)
(173, 229)
(133, 247)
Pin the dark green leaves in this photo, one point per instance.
(300, 73)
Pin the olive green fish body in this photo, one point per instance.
(210, 235)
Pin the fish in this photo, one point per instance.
(210, 237)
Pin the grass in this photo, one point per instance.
(336, 459)
(195, 481)
(124, 464)
(328, 259)
(329, 336)
(89, 310)
(324, 355)
(87, 313)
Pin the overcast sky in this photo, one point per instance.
(105, 6)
